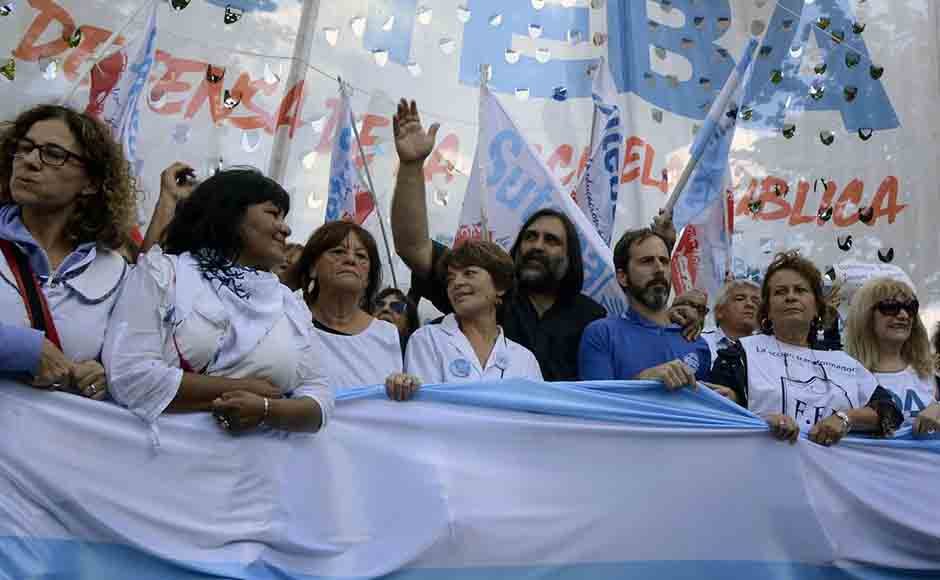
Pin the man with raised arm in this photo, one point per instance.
(546, 312)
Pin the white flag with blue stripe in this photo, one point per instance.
(712, 145)
(509, 182)
(117, 83)
(349, 197)
(477, 481)
(596, 193)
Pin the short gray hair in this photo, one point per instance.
(725, 293)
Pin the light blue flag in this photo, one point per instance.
(713, 144)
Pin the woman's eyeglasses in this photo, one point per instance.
(49, 154)
(894, 307)
(396, 306)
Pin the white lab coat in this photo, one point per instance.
(440, 353)
(80, 305)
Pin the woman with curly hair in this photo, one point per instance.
(67, 204)
(795, 386)
(885, 333)
(204, 325)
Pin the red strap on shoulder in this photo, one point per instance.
(29, 277)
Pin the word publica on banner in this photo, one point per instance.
(776, 203)
(184, 87)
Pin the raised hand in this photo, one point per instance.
(412, 142)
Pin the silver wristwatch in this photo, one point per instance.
(846, 422)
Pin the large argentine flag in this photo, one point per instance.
(509, 182)
(478, 481)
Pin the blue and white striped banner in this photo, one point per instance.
(477, 481)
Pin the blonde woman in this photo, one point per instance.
(885, 334)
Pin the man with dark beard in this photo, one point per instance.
(643, 343)
(546, 312)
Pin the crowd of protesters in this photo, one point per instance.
(214, 311)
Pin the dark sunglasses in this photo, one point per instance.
(396, 306)
(894, 307)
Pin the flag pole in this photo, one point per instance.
(484, 217)
(714, 117)
(98, 55)
(375, 200)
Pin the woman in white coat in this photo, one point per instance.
(66, 205)
(203, 325)
(468, 345)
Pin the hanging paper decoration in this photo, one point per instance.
(229, 101)
(232, 14)
(212, 76)
(8, 70)
(74, 39)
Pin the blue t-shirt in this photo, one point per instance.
(621, 347)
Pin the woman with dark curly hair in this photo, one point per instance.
(67, 204)
(340, 272)
(204, 325)
(794, 386)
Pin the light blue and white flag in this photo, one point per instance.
(509, 182)
(117, 83)
(349, 197)
(712, 145)
(596, 193)
(476, 481)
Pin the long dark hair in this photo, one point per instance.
(571, 283)
(330, 235)
(208, 223)
(106, 217)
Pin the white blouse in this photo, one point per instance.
(806, 384)
(367, 358)
(911, 393)
(80, 299)
(168, 311)
(440, 353)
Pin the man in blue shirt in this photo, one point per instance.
(643, 343)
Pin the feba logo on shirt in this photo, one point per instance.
(809, 402)
(805, 384)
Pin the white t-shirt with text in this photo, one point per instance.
(806, 384)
